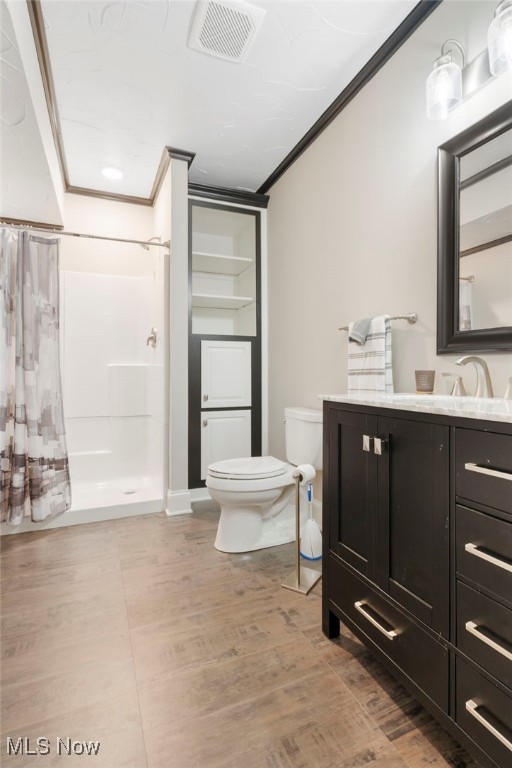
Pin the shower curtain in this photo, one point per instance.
(34, 471)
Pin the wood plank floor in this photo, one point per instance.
(137, 633)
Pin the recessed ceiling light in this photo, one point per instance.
(112, 173)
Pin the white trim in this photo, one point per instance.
(264, 333)
(200, 494)
(229, 203)
(178, 503)
(83, 516)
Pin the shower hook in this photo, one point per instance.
(151, 340)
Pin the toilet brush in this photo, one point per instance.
(311, 539)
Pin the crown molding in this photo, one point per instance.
(409, 25)
(227, 195)
(7, 220)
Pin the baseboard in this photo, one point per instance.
(200, 494)
(178, 503)
(84, 516)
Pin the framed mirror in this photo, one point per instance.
(474, 275)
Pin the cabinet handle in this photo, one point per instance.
(379, 445)
(205, 398)
(473, 629)
(390, 633)
(472, 708)
(472, 467)
(473, 550)
(205, 422)
(367, 443)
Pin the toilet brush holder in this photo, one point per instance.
(302, 579)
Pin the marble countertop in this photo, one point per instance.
(490, 409)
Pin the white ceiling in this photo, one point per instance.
(26, 188)
(127, 85)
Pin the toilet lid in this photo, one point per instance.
(251, 468)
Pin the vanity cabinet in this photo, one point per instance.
(388, 507)
(417, 529)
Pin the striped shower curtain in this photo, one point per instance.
(34, 472)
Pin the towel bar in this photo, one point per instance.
(412, 318)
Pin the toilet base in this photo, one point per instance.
(254, 533)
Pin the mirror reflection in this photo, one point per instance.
(485, 235)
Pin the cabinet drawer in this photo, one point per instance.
(485, 713)
(484, 632)
(421, 658)
(484, 550)
(484, 468)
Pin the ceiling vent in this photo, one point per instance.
(225, 29)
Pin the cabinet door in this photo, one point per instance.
(224, 435)
(352, 491)
(412, 557)
(225, 374)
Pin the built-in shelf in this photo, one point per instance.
(209, 301)
(219, 263)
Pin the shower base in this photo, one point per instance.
(142, 493)
(94, 502)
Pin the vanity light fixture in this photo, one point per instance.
(114, 174)
(444, 84)
(499, 39)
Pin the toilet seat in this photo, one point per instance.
(250, 468)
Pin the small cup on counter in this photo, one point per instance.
(425, 382)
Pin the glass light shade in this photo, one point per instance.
(444, 90)
(499, 40)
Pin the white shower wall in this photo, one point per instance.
(112, 381)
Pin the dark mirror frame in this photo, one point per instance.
(449, 338)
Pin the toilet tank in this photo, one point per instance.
(303, 435)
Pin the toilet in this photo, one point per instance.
(256, 494)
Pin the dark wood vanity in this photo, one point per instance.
(417, 529)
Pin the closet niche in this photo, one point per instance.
(224, 335)
(223, 272)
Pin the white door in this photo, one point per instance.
(225, 374)
(224, 435)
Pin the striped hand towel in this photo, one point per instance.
(370, 365)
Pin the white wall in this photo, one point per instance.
(108, 218)
(178, 449)
(353, 225)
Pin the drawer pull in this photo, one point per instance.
(473, 629)
(379, 445)
(390, 633)
(367, 443)
(472, 467)
(473, 550)
(472, 708)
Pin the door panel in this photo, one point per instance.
(352, 490)
(413, 485)
(224, 435)
(225, 374)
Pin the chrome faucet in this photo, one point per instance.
(483, 381)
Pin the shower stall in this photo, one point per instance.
(113, 335)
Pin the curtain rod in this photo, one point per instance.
(144, 243)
